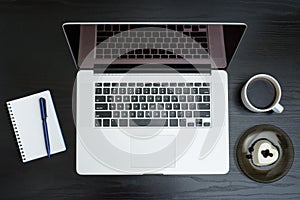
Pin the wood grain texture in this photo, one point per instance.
(34, 57)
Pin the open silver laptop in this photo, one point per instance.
(152, 98)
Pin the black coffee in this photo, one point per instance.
(261, 93)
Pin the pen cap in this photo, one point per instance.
(43, 108)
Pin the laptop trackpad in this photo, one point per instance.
(155, 152)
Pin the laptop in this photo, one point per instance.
(152, 97)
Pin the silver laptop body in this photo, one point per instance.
(152, 98)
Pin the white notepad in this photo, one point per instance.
(25, 115)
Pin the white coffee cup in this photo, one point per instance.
(275, 106)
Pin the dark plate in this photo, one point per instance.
(271, 172)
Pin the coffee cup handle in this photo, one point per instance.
(278, 108)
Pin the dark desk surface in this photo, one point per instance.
(34, 57)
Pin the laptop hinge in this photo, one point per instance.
(204, 69)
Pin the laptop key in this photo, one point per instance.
(172, 114)
(158, 98)
(198, 98)
(201, 113)
(101, 106)
(122, 90)
(154, 90)
(206, 124)
(103, 114)
(190, 98)
(130, 90)
(106, 91)
(178, 90)
(194, 91)
(98, 90)
(192, 106)
(140, 114)
(154, 51)
(182, 98)
(174, 98)
(186, 90)
(142, 98)
(173, 122)
(105, 122)
(152, 106)
(148, 114)
(150, 98)
(204, 91)
(198, 122)
(112, 106)
(98, 84)
(124, 114)
(160, 106)
(146, 51)
(144, 106)
(136, 106)
(206, 98)
(97, 122)
(190, 124)
(148, 122)
(164, 113)
(180, 114)
(118, 98)
(114, 90)
(113, 122)
(176, 106)
(182, 122)
(100, 99)
(166, 98)
(134, 98)
(128, 106)
(188, 114)
(162, 90)
(131, 84)
(132, 113)
(170, 90)
(146, 90)
(116, 113)
(110, 98)
(120, 106)
(126, 98)
(138, 90)
(156, 114)
(184, 106)
(168, 106)
(203, 106)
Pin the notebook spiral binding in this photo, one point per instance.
(15, 127)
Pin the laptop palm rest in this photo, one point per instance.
(156, 152)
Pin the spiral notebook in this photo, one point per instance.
(25, 116)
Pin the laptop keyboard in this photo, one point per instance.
(168, 42)
(169, 104)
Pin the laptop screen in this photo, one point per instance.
(94, 44)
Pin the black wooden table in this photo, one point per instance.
(34, 57)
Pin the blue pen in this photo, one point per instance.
(45, 128)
